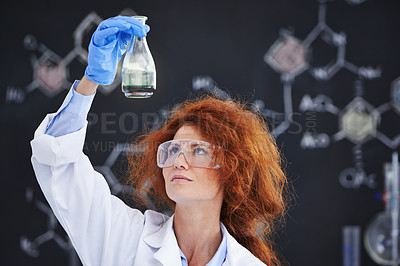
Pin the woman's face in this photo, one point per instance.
(186, 184)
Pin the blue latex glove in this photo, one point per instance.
(107, 45)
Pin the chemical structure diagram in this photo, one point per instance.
(32, 247)
(51, 71)
(358, 121)
(117, 188)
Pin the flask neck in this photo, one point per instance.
(138, 43)
(136, 39)
(141, 19)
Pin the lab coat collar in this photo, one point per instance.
(168, 250)
(165, 241)
(157, 239)
(237, 255)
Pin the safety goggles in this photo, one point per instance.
(197, 153)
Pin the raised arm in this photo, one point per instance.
(86, 87)
(106, 47)
(103, 230)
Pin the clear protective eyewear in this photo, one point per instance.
(196, 152)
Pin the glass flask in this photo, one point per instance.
(138, 68)
(381, 237)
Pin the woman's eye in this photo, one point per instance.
(200, 151)
(173, 150)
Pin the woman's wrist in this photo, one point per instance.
(86, 86)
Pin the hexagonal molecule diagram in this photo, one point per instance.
(107, 169)
(31, 246)
(287, 56)
(119, 154)
(51, 71)
(358, 121)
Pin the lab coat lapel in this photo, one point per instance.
(237, 255)
(165, 241)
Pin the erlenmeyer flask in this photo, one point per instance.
(138, 68)
(379, 240)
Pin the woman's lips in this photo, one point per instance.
(180, 178)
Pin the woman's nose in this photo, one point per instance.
(181, 162)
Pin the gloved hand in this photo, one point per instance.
(107, 45)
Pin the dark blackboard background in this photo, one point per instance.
(227, 41)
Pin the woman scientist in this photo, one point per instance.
(213, 161)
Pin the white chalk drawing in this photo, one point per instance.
(31, 247)
(116, 186)
(289, 56)
(51, 72)
(358, 122)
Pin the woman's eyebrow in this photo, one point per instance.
(199, 144)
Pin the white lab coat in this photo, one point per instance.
(103, 230)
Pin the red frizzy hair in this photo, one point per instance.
(251, 173)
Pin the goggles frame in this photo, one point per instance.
(164, 150)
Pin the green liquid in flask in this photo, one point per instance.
(138, 84)
(134, 91)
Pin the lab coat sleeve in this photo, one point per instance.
(103, 230)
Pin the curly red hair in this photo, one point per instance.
(252, 173)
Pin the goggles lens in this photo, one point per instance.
(196, 152)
